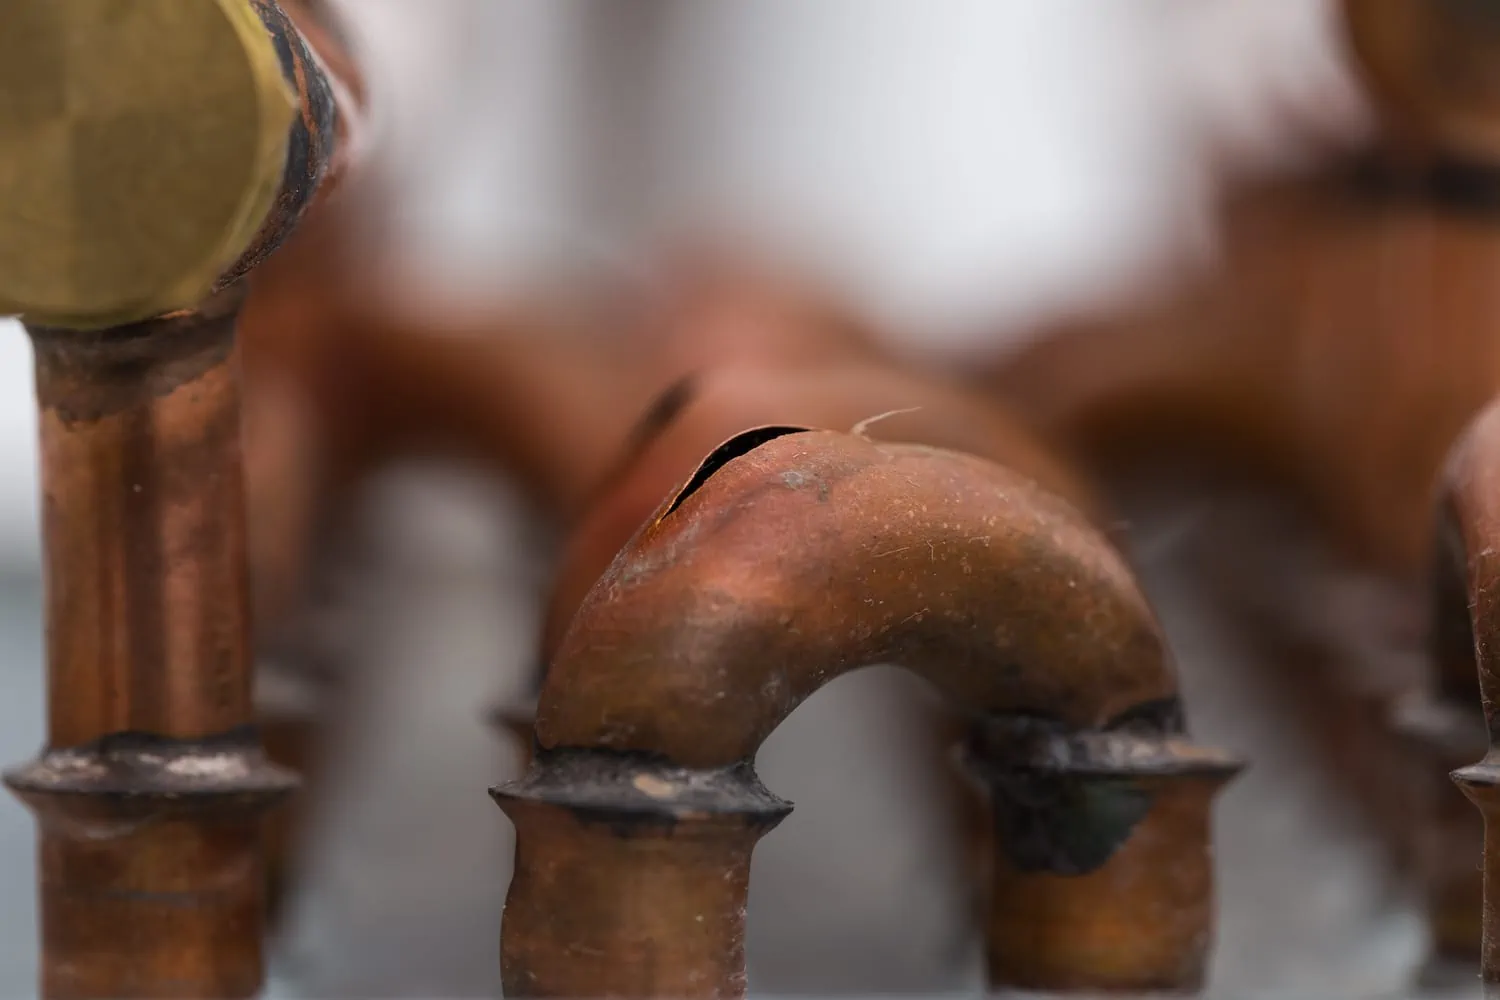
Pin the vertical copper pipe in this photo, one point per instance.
(669, 862)
(1139, 922)
(150, 795)
(151, 792)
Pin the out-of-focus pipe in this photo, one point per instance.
(1471, 514)
(1445, 730)
(1282, 358)
(1430, 65)
(162, 150)
(789, 558)
(1344, 340)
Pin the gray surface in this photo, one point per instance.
(21, 725)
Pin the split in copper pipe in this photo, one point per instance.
(693, 416)
(1471, 508)
(789, 558)
(152, 790)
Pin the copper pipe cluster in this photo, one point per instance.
(789, 558)
(151, 791)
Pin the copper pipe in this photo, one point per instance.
(1470, 511)
(789, 558)
(836, 391)
(151, 790)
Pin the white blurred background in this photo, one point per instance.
(957, 167)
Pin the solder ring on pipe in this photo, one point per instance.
(636, 789)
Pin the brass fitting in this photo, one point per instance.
(142, 147)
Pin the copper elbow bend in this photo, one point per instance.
(792, 557)
(779, 567)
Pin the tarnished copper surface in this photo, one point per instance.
(149, 861)
(1471, 509)
(671, 890)
(151, 792)
(1142, 922)
(144, 528)
(788, 558)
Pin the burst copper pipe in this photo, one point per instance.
(835, 390)
(151, 790)
(1470, 507)
(791, 557)
(702, 410)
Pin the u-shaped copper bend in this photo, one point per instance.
(790, 558)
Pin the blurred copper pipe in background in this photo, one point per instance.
(791, 557)
(1469, 510)
(1341, 342)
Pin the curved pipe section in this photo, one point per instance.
(697, 414)
(857, 553)
(792, 557)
